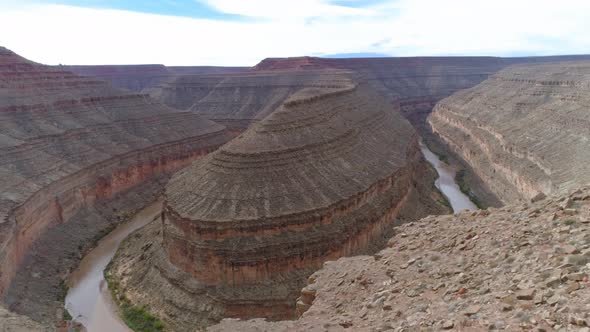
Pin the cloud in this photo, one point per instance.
(286, 10)
(55, 34)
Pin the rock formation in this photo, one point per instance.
(241, 99)
(67, 142)
(327, 174)
(415, 84)
(237, 100)
(140, 77)
(519, 268)
(11, 322)
(524, 130)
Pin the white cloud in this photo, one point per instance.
(63, 34)
(286, 10)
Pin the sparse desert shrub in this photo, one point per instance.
(136, 317)
(569, 222)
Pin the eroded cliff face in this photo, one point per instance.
(67, 142)
(524, 130)
(327, 174)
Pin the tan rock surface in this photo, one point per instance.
(502, 269)
(11, 322)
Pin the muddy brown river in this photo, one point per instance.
(88, 299)
(446, 182)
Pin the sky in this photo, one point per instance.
(243, 32)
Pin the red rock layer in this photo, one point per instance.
(66, 141)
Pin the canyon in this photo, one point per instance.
(524, 130)
(327, 174)
(524, 266)
(141, 77)
(69, 143)
(269, 172)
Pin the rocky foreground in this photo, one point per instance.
(518, 268)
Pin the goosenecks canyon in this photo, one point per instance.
(295, 196)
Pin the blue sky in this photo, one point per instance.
(242, 32)
(186, 8)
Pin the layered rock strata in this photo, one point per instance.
(524, 130)
(413, 84)
(67, 141)
(327, 174)
(140, 77)
(241, 99)
(519, 268)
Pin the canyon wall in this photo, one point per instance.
(327, 174)
(524, 130)
(140, 77)
(67, 141)
(237, 99)
(241, 99)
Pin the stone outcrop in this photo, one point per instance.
(140, 77)
(327, 174)
(524, 130)
(68, 141)
(519, 268)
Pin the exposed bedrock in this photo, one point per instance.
(524, 130)
(67, 141)
(327, 174)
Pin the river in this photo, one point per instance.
(446, 182)
(88, 299)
